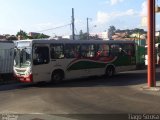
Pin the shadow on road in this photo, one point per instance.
(121, 79)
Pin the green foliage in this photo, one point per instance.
(40, 36)
(111, 31)
(158, 39)
(22, 33)
(127, 36)
(25, 36)
(82, 36)
(137, 30)
(12, 37)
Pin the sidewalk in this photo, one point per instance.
(143, 88)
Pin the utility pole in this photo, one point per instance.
(151, 44)
(88, 27)
(73, 33)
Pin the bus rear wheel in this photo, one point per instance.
(110, 71)
(57, 76)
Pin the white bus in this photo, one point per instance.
(56, 60)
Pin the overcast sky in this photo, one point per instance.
(37, 15)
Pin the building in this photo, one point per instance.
(33, 34)
(76, 37)
(2, 37)
(55, 37)
(101, 35)
(157, 33)
(20, 37)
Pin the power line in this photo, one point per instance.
(54, 28)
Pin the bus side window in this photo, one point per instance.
(115, 50)
(72, 50)
(57, 51)
(103, 50)
(130, 49)
(88, 50)
(41, 55)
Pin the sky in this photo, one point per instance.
(39, 15)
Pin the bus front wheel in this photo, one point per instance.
(110, 71)
(57, 76)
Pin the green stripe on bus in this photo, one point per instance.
(121, 61)
(86, 65)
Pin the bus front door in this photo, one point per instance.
(41, 63)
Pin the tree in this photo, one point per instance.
(111, 31)
(82, 36)
(12, 37)
(22, 33)
(137, 30)
(158, 39)
(40, 36)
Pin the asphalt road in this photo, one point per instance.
(95, 95)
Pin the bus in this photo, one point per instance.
(57, 60)
(157, 54)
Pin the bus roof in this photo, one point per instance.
(63, 41)
(6, 41)
(6, 44)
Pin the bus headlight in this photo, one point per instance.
(28, 71)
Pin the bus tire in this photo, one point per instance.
(57, 76)
(110, 71)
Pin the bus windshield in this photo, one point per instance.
(22, 57)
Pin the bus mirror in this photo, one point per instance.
(120, 50)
